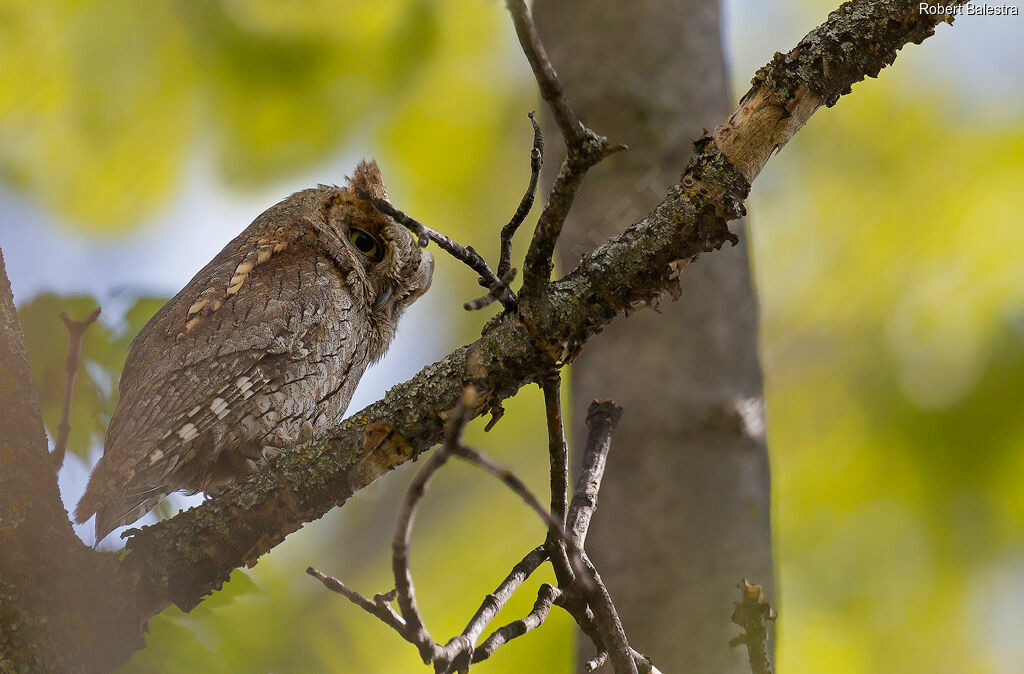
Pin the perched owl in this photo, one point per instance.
(263, 347)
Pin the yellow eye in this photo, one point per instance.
(364, 243)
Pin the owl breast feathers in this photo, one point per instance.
(262, 348)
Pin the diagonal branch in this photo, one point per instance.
(182, 559)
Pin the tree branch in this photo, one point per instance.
(182, 559)
(584, 148)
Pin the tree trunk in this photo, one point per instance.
(60, 601)
(685, 505)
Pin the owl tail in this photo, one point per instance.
(114, 508)
(118, 514)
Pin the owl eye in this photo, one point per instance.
(364, 243)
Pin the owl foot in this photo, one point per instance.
(305, 432)
(269, 452)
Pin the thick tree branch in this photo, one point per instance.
(182, 559)
(61, 603)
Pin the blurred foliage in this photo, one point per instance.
(894, 354)
(103, 354)
(893, 334)
(102, 99)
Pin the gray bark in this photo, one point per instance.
(685, 508)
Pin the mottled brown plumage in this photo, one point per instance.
(262, 348)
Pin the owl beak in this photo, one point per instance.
(382, 297)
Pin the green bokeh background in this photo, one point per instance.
(887, 242)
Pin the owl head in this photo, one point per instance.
(391, 269)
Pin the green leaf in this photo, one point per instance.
(102, 357)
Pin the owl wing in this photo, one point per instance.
(265, 337)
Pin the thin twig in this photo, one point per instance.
(76, 333)
(602, 418)
(467, 255)
(581, 591)
(546, 597)
(584, 148)
(380, 609)
(458, 653)
(415, 629)
(496, 600)
(509, 230)
(550, 88)
(496, 292)
(558, 455)
(643, 664)
(607, 620)
(513, 482)
(557, 449)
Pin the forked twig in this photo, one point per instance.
(584, 148)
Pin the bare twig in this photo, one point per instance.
(547, 80)
(584, 148)
(495, 601)
(509, 230)
(558, 454)
(459, 653)
(496, 292)
(467, 255)
(753, 614)
(643, 665)
(76, 333)
(602, 418)
(547, 595)
(557, 450)
(580, 592)
(607, 620)
(513, 482)
(379, 608)
(415, 629)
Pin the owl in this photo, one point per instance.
(263, 348)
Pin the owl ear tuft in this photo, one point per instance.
(367, 177)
